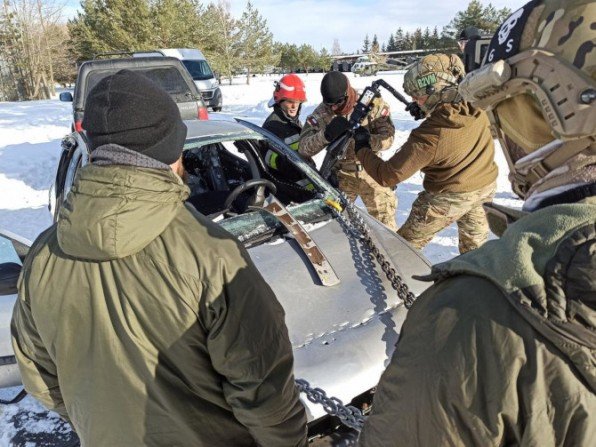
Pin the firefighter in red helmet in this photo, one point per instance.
(284, 121)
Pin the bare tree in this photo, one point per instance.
(30, 41)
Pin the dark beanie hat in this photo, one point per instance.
(334, 87)
(130, 110)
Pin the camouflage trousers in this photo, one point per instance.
(432, 213)
(380, 201)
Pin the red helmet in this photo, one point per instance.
(289, 87)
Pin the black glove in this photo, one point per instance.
(336, 127)
(415, 111)
(361, 139)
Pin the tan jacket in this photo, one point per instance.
(453, 147)
(378, 122)
(144, 323)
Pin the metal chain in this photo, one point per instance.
(357, 221)
(347, 414)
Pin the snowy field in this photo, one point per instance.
(30, 135)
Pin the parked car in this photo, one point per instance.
(167, 72)
(199, 69)
(343, 319)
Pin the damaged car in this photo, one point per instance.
(343, 278)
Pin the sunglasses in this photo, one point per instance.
(338, 102)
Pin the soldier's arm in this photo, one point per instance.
(37, 369)
(417, 152)
(249, 346)
(312, 138)
(382, 130)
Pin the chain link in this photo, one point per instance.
(357, 222)
(347, 414)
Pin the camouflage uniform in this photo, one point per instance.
(380, 201)
(432, 213)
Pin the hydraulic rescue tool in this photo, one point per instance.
(337, 148)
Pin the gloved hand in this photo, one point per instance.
(361, 139)
(336, 127)
(415, 111)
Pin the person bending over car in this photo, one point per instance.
(500, 351)
(454, 149)
(138, 319)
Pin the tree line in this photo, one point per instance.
(485, 18)
(38, 49)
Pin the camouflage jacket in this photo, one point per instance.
(378, 122)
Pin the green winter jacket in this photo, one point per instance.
(144, 323)
(501, 350)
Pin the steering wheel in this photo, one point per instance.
(253, 183)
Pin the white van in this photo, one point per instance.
(199, 69)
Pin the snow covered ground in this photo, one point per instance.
(30, 134)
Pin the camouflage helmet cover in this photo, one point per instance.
(538, 83)
(433, 74)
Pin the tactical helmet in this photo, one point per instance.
(289, 87)
(435, 75)
(538, 84)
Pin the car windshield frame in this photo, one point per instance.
(257, 226)
(199, 69)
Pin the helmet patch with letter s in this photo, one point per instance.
(505, 42)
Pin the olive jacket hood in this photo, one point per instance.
(144, 323)
(500, 350)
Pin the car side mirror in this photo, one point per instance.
(9, 276)
(65, 97)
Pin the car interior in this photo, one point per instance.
(226, 178)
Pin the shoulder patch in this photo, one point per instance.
(385, 111)
(312, 121)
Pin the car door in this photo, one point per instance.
(13, 250)
(74, 155)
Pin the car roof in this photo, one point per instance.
(220, 130)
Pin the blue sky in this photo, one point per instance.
(319, 22)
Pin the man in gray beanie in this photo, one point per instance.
(138, 319)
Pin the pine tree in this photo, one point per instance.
(400, 42)
(487, 19)
(391, 43)
(324, 60)
(426, 39)
(223, 51)
(375, 45)
(256, 41)
(111, 25)
(307, 57)
(289, 57)
(179, 24)
(366, 44)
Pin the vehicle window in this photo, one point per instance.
(169, 78)
(199, 70)
(7, 251)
